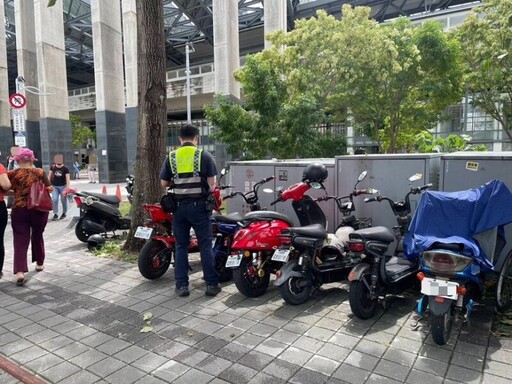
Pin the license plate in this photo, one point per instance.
(75, 211)
(233, 261)
(442, 288)
(281, 255)
(143, 232)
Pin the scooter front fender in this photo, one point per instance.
(359, 271)
(287, 272)
(438, 308)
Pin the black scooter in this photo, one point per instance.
(99, 214)
(380, 274)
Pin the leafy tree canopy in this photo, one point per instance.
(80, 134)
(425, 143)
(486, 41)
(395, 79)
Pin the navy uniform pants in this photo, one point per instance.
(193, 214)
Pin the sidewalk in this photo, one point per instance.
(79, 321)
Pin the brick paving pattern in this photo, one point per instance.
(79, 321)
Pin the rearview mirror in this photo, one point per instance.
(416, 177)
(316, 185)
(268, 190)
(362, 176)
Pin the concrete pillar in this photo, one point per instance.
(27, 69)
(274, 18)
(54, 125)
(130, 75)
(110, 100)
(5, 120)
(226, 49)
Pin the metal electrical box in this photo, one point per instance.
(465, 170)
(244, 174)
(389, 174)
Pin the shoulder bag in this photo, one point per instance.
(38, 197)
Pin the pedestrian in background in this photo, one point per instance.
(60, 179)
(91, 172)
(27, 224)
(6, 186)
(76, 170)
(191, 173)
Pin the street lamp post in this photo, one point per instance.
(189, 47)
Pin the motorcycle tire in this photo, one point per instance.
(361, 304)
(154, 259)
(441, 328)
(504, 286)
(296, 290)
(248, 286)
(81, 233)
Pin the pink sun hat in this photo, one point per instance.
(24, 154)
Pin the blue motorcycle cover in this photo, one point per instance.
(456, 217)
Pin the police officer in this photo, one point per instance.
(191, 173)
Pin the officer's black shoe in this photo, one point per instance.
(213, 290)
(182, 291)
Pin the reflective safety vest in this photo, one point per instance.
(185, 167)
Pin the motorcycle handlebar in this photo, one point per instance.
(371, 199)
(276, 201)
(267, 179)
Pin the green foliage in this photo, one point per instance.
(486, 41)
(425, 143)
(51, 3)
(395, 79)
(112, 249)
(80, 133)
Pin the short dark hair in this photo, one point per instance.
(189, 131)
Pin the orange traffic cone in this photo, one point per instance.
(104, 190)
(118, 193)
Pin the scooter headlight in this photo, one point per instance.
(445, 261)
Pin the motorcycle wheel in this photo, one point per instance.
(225, 274)
(504, 287)
(361, 304)
(296, 290)
(81, 233)
(154, 259)
(441, 328)
(247, 280)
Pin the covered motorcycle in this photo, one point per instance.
(460, 240)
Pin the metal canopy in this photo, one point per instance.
(192, 21)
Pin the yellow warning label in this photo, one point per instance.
(472, 166)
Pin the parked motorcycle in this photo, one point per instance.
(225, 227)
(459, 238)
(158, 252)
(380, 274)
(316, 258)
(130, 179)
(253, 255)
(99, 214)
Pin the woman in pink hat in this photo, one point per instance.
(5, 185)
(27, 224)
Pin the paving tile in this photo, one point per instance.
(271, 347)
(468, 361)
(263, 378)
(29, 354)
(111, 347)
(498, 369)
(307, 376)
(16, 346)
(44, 362)
(465, 375)
(130, 354)
(150, 380)
(81, 377)
(344, 340)
(376, 378)
(351, 374)
(106, 367)
(170, 349)
(194, 376)
(232, 351)
(470, 349)
(149, 362)
(59, 372)
(361, 360)
(322, 365)
(249, 340)
(125, 375)
(281, 369)
(420, 377)
(309, 344)
(371, 347)
(191, 357)
(429, 365)
(256, 360)
(88, 358)
(392, 370)
(238, 374)
(492, 379)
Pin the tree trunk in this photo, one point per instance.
(152, 125)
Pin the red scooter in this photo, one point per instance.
(157, 254)
(253, 251)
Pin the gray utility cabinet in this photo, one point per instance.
(387, 173)
(244, 174)
(466, 170)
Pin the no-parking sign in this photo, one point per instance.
(17, 101)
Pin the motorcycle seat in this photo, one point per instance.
(230, 218)
(398, 265)
(266, 216)
(313, 230)
(111, 199)
(373, 233)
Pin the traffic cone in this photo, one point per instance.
(104, 190)
(118, 193)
